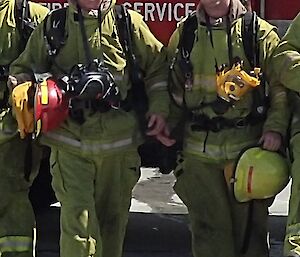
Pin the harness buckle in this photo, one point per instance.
(241, 123)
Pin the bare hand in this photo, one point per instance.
(158, 128)
(13, 81)
(271, 141)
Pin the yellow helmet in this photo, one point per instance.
(259, 174)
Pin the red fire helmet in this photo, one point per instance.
(51, 106)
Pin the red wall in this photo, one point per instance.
(160, 15)
(279, 9)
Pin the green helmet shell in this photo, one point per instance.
(259, 174)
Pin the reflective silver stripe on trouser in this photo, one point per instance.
(159, 85)
(15, 244)
(89, 147)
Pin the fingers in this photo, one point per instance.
(271, 145)
(160, 130)
(261, 140)
(166, 131)
(165, 140)
(271, 141)
(156, 124)
(12, 82)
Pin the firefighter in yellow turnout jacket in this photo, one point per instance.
(285, 67)
(16, 214)
(218, 128)
(94, 160)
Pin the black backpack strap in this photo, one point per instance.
(250, 40)
(185, 46)
(125, 33)
(25, 24)
(21, 13)
(250, 30)
(137, 98)
(54, 30)
(187, 37)
(55, 34)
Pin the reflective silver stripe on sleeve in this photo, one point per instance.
(160, 85)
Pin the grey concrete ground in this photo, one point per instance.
(157, 224)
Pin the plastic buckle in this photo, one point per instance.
(241, 123)
(217, 124)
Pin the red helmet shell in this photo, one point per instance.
(51, 106)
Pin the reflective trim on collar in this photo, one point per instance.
(89, 147)
(160, 85)
(15, 244)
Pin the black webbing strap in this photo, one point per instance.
(137, 97)
(28, 157)
(54, 34)
(186, 41)
(249, 35)
(25, 24)
(185, 46)
(250, 30)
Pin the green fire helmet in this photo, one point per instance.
(259, 174)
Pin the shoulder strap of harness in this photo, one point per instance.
(25, 24)
(137, 97)
(125, 33)
(185, 45)
(250, 44)
(252, 51)
(54, 31)
(24, 27)
(249, 35)
(55, 36)
(187, 38)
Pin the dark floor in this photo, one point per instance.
(148, 234)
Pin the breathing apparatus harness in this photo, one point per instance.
(152, 152)
(91, 83)
(232, 81)
(25, 25)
